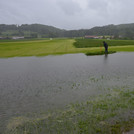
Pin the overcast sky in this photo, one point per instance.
(67, 14)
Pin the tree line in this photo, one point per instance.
(125, 31)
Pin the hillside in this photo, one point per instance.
(125, 31)
(122, 30)
(33, 30)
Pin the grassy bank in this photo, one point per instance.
(107, 114)
(58, 46)
(99, 53)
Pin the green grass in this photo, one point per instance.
(18, 40)
(106, 114)
(58, 46)
(35, 48)
(84, 43)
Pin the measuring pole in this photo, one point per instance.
(100, 48)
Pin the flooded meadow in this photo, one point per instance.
(30, 86)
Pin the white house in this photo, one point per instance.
(17, 37)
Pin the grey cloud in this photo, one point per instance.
(100, 7)
(68, 14)
(98, 4)
(69, 7)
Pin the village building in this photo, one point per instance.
(17, 37)
(93, 37)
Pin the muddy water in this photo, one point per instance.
(36, 84)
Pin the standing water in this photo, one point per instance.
(37, 84)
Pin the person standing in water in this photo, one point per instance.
(106, 47)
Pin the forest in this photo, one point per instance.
(122, 31)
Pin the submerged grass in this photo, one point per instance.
(112, 113)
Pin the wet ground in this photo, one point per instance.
(37, 84)
(131, 132)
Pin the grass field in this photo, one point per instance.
(37, 47)
(59, 46)
(84, 43)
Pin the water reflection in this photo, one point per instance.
(105, 58)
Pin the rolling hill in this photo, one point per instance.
(45, 31)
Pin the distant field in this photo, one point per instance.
(84, 43)
(44, 47)
(12, 40)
